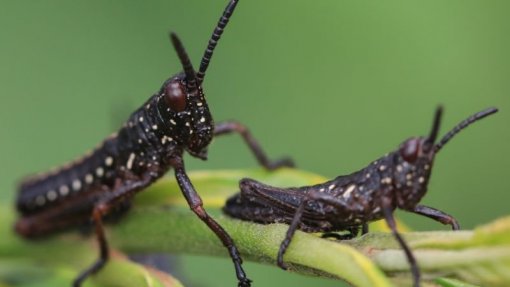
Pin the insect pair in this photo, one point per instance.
(153, 140)
(177, 120)
(399, 179)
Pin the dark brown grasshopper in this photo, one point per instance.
(397, 180)
(152, 141)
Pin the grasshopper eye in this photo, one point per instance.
(409, 149)
(175, 96)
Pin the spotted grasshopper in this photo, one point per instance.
(347, 203)
(153, 140)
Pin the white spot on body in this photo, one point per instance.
(164, 139)
(199, 104)
(421, 179)
(140, 119)
(89, 178)
(140, 141)
(368, 175)
(331, 187)
(321, 190)
(348, 191)
(108, 161)
(386, 180)
(382, 167)
(40, 200)
(399, 168)
(51, 195)
(63, 190)
(76, 185)
(99, 171)
(376, 210)
(426, 167)
(187, 124)
(154, 127)
(202, 119)
(131, 158)
(173, 122)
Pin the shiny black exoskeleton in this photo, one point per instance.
(397, 180)
(153, 140)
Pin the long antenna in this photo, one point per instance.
(214, 39)
(462, 125)
(191, 79)
(435, 126)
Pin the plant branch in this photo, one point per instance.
(161, 222)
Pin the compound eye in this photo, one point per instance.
(410, 149)
(175, 96)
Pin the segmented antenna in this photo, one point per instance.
(462, 125)
(435, 126)
(215, 37)
(191, 79)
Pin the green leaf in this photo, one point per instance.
(56, 261)
(447, 282)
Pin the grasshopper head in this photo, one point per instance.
(415, 157)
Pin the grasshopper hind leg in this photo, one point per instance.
(103, 247)
(390, 220)
(121, 194)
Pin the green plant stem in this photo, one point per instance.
(161, 222)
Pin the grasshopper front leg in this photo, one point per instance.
(437, 215)
(196, 205)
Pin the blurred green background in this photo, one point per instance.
(335, 84)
